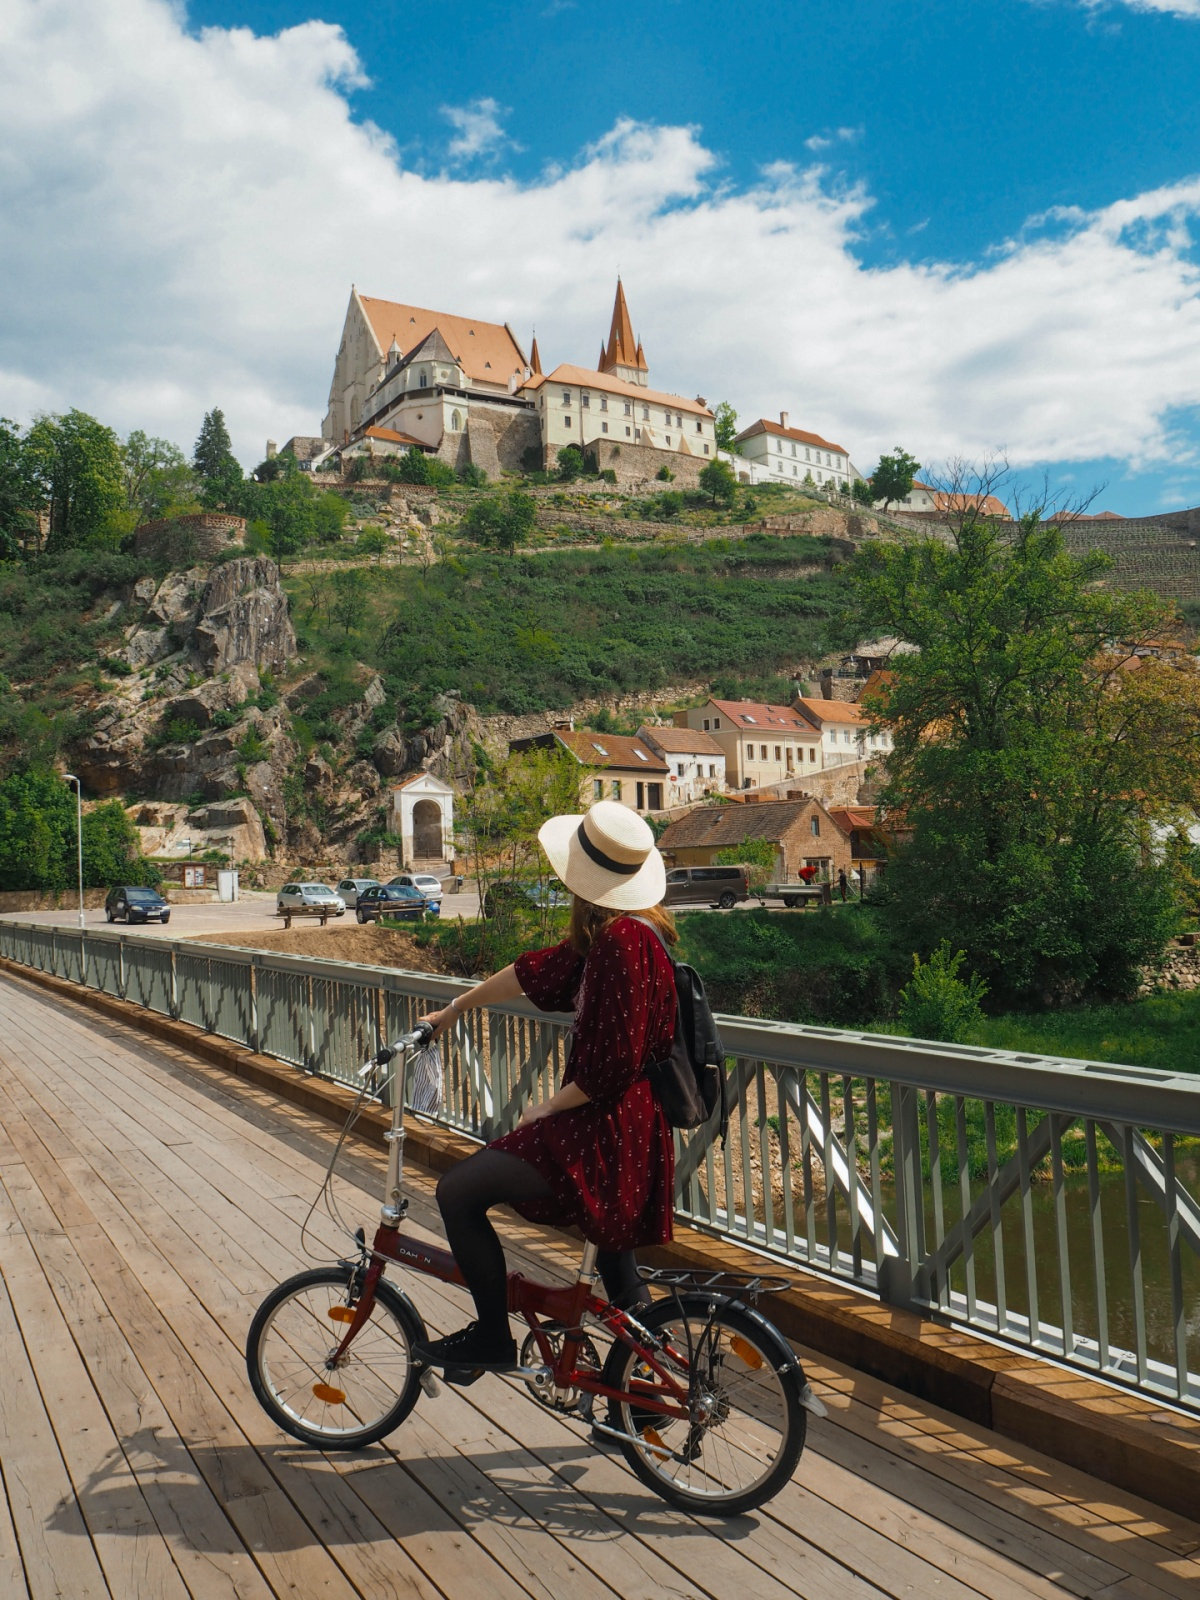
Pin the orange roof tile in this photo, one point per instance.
(798, 434)
(610, 750)
(487, 351)
(682, 741)
(391, 436)
(623, 349)
(757, 714)
(609, 383)
(832, 710)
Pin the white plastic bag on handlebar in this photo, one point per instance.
(425, 1081)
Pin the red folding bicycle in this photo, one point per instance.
(703, 1394)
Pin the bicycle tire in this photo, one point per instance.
(279, 1344)
(733, 1480)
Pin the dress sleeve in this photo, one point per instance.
(611, 1025)
(550, 978)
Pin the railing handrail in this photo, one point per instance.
(1073, 1087)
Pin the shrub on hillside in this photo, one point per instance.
(936, 1003)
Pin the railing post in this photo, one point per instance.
(255, 1040)
(121, 973)
(174, 984)
(83, 959)
(901, 1276)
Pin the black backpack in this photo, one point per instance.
(690, 1082)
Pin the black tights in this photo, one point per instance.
(467, 1192)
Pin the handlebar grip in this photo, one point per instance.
(384, 1056)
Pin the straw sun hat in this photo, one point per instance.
(606, 856)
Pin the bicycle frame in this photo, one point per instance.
(566, 1306)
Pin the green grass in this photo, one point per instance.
(1162, 1030)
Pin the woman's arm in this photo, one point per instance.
(493, 991)
(568, 1098)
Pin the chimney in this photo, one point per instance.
(783, 419)
(272, 449)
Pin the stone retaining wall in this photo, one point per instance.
(190, 540)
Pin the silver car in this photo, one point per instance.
(425, 883)
(351, 888)
(304, 897)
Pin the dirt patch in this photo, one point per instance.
(377, 947)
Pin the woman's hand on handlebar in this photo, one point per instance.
(439, 1021)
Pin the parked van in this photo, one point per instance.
(706, 886)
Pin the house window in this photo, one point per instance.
(628, 409)
(681, 770)
(706, 724)
(763, 751)
(793, 450)
(604, 402)
(712, 769)
(815, 825)
(667, 418)
(678, 420)
(828, 462)
(716, 722)
(616, 788)
(597, 788)
(795, 472)
(645, 413)
(812, 752)
(585, 400)
(779, 753)
(604, 427)
(566, 422)
(667, 440)
(566, 397)
(808, 455)
(637, 434)
(705, 449)
(627, 432)
(699, 427)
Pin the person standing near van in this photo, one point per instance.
(842, 884)
(598, 1154)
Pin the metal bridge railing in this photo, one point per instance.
(1050, 1204)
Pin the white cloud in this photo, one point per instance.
(183, 215)
(480, 131)
(824, 141)
(1174, 8)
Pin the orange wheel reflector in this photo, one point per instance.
(341, 1313)
(331, 1397)
(654, 1439)
(745, 1351)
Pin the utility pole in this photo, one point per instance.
(71, 778)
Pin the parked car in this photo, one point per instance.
(307, 897)
(509, 889)
(399, 900)
(424, 883)
(351, 888)
(712, 886)
(135, 905)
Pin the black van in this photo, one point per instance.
(706, 886)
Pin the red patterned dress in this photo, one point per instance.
(611, 1163)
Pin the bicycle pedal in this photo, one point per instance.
(429, 1383)
(462, 1377)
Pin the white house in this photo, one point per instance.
(924, 497)
(422, 814)
(790, 455)
(695, 762)
(844, 730)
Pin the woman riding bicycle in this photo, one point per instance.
(599, 1153)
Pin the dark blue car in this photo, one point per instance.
(396, 900)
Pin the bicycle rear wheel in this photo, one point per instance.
(747, 1425)
(290, 1347)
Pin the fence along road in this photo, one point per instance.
(1052, 1205)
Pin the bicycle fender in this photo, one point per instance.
(385, 1289)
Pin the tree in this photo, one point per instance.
(570, 463)
(76, 462)
(758, 856)
(861, 491)
(213, 457)
(374, 542)
(725, 418)
(893, 477)
(38, 844)
(502, 522)
(20, 494)
(158, 481)
(718, 482)
(349, 596)
(1033, 750)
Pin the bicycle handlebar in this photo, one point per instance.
(416, 1040)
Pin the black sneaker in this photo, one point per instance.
(472, 1348)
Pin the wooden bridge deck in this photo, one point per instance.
(146, 1203)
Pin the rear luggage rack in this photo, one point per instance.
(740, 1285)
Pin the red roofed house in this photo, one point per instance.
(695, 760)
(612, 414)
(790, 455)
(844, 725)
(618, 767)
(448, 382)
(868, 850)
(763, 744)
(922, 497)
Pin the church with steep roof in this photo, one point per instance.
(463, 389)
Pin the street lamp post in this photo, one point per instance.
(71, 778)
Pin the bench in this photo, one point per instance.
(289, 912)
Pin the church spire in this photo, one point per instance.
(624, 355)
(535, 360)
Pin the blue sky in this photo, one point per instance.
(962, 227)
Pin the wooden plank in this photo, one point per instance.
(12, 1568)
(56, 1552)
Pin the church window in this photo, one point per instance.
(667, 418)
(585, 400)
(455, 422)
(566, 422)
(699, 427)
(628, 409)
(678, 421)
(604, 402)
(645, 413)
(424, 378)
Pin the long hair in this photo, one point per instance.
(588, 922)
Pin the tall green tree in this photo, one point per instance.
(502, 521)
(893, 478)
(20, 493)
(718, 482)
(725, 418)
(158, 480)
(38, 838)
(76, 462)
(213, 457)
(1032, 751)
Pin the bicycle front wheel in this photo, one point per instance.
(290, 1357)
(743, 1438)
